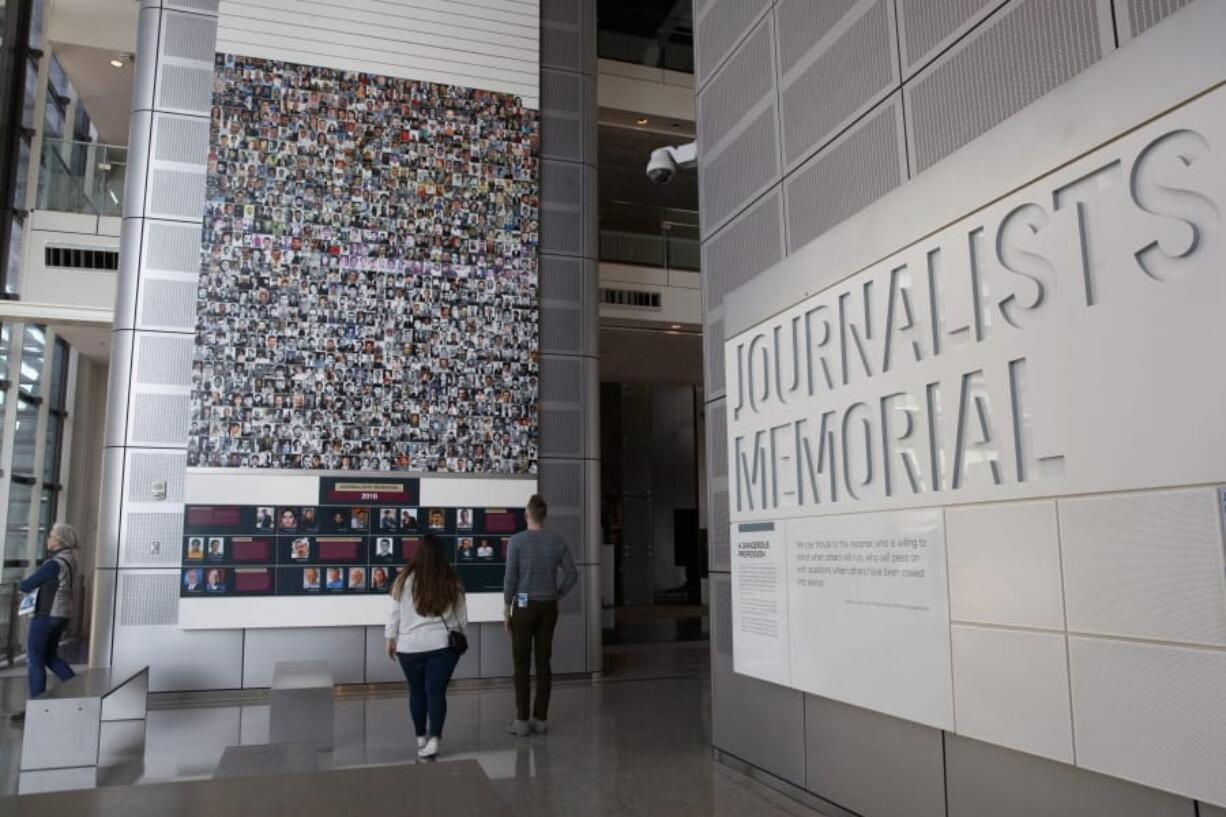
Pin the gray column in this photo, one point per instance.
(145, 451)
(569, 292)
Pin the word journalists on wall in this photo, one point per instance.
(946, 327)
(368, 298)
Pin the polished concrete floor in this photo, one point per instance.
(635, 742)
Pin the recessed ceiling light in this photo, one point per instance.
(117, 63)
(642, 121)
(674, 326)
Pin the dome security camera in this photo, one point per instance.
(664, 162)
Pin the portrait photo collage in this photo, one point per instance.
(368, 297)
(256, 550)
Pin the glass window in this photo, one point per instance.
(18, 527)
(51, 456)
(12, 280)
(24, 440)
(6, 347)
(46, 513)
(31, 93)
(59, 375)
(36, 24)
(33, 352)
(21, 179)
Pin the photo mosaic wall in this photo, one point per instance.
(368, 294)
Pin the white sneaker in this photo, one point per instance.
(429, 750)
(421, 742)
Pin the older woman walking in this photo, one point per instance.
(53, 581)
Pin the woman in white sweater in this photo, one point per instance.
(427, 604)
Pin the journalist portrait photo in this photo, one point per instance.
(384, 547)
(300, 549)
(388, 520)
(357, 578)
(215, 580)
(310, 578)
(217, 548)
(336, 579)
(464, 519)
(264, 519)
(191, 581)
(288, 521)
(437, 519)
(195, 548)
(408, 519)
(378, 578)
(464, 551)
(308, 521)
(369, 263)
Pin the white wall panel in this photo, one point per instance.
(1004, 565)
(1011, 688)
(490, 44)
(1151, 713)
(344, 648)
(1145, 565)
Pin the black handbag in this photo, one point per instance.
(456, 639)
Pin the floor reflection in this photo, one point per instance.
(635, 742)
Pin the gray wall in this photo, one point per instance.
(807, 113)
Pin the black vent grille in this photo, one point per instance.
(636, 298)
(77, 258)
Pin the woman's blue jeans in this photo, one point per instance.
(42, 653)
(428, 674)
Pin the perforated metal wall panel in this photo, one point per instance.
(159, 419)
(167, 304)
(188, 37)
(164, 360)
(562, 483)
(747, 245)
(742, 83)
(562, 201)
(172, 247)
(148, 599)
(838, 81)
(721, 617)
(562, 286)
(175, 194)
(852, 172)
(719, 535)
(562, 107)
(207, 6)
(713, 357)
(185, 88)
(802, 24)
(717, 440)
(148, 467)
(1142, 15)
(151, 540)
(927, 25)
(1004, 65)
(746, 167)
(181, 139)
(717, 30)
(561, 38)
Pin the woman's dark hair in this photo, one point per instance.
(436, 587)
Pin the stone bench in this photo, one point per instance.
(74, 727)
(300, 704)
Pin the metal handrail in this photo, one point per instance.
(81, 177)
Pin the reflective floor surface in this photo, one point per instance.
(635, 742)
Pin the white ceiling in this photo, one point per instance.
(105, 91)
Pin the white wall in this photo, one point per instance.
(488, 44)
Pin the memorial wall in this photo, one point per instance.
(367, 305)
(975, 484)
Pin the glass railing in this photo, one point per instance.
(649, 236)
(82, 177)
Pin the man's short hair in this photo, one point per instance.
(537, 509)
